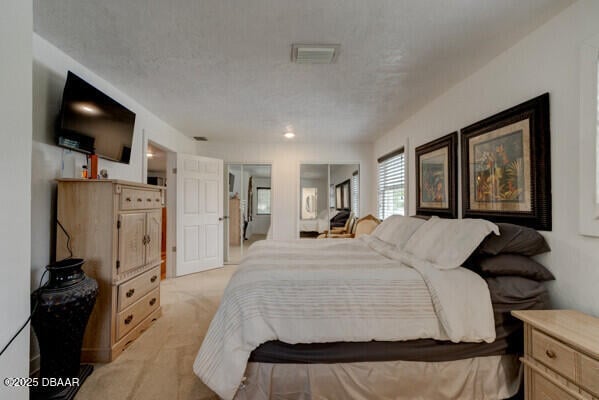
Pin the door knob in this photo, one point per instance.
(220, 218)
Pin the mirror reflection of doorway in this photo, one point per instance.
(156, 174)
(247, 208)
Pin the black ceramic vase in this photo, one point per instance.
(61, 310)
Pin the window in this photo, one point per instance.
(332, 196)
(263, 201)
(391, 184)
(355, 193)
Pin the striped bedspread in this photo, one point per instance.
(312, 291)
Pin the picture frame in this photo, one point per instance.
(309, 203)
(343, 195)
(338, 197)
(506, 166)
(436, 177)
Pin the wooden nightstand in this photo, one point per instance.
(561, 355)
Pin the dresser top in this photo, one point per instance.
(579, 330)
(116, 181)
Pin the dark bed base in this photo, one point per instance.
(309, 234)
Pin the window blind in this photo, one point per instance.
(391, 184)
(263, 201)
(355, 193)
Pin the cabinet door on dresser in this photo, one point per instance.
(132, 241)
(154, 232)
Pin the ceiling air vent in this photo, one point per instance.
(201, 138)
(314, 53)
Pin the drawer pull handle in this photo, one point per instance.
(153, 278)
(128, 319)
(130, 292)
(149, 199)
(550, 353)
(128, 199)
(156, 199)
(139, 199)
(149, 240)
(153, 301)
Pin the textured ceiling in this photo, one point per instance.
(221, 68)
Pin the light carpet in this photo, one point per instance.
(158, 365)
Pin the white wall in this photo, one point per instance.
(286, 159)
(16, 25)
(547, 60)
(50, 66)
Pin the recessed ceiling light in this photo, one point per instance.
(289, 135)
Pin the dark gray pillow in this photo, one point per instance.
(513, 290)
(514, 265)
(514, 239)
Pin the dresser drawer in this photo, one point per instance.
(131, 316)
(554, 354)
(589, 374)
(131, 291)
(137, 199)
(543, 389)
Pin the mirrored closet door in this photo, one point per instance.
(247, 208)
(329, 198)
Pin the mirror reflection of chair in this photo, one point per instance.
(362, 226)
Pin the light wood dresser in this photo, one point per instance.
(234, 222)
(116, 227)
(561, 355)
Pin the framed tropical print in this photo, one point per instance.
(506, 170)
(436, 177)
(309, 203)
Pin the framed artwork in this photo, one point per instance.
(343, 195)
(506, 169)
(436, 177)
(338, 197)
(309, 205)
(346, 194)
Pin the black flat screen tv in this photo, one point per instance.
(93, 123)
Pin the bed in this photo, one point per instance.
(364, 319)
(317, 225)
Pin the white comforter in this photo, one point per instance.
(337, 290)
(314, 225)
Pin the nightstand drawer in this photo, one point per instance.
(543, 389)
(554, 354)
(589, 374)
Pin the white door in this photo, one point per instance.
(199, 214)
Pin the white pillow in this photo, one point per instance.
(447, 243)
(397, 229)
